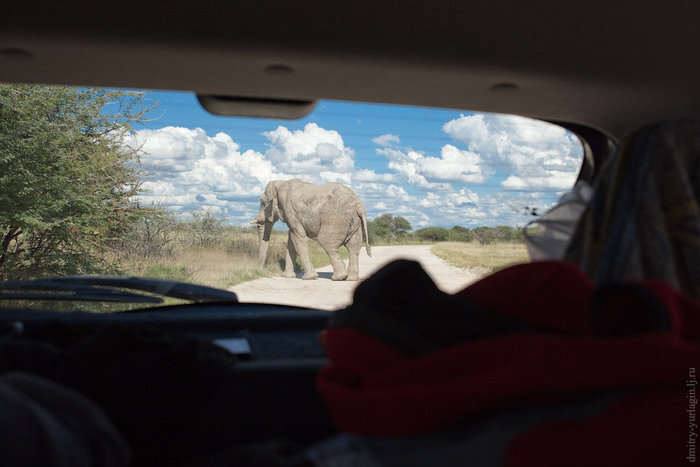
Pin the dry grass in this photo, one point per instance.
(233, 259)
(480, 258)
(212, 266)
(227, 263)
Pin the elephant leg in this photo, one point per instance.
(339, 272)
(354, 246)
(300, 244)
(290, 259)
(353, 265)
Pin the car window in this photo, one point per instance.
(148, 184)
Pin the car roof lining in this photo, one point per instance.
(613, 66)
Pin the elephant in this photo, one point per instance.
(332, 214)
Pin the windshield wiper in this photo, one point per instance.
(106, 289)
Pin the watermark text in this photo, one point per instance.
(690, 385)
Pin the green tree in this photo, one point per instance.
(401, 226)
(484, 235)
(432, 234)
(460, 234)
(500, 233)
(66, 177)
(151, 236)
(378, 230)
(388, 227)
(204, 229)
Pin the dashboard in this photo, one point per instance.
(171, 393)
(251, 332)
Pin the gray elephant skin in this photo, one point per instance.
(332, 214)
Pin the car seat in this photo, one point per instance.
(643, 221)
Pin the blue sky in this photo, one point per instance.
(431, 166)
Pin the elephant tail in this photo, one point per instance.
(363, 218)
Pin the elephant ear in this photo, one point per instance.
(273, 209)
(276, 211)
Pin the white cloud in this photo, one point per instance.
(201, 159)
(514, 207)
(366, 175)
(529, 153)
(330, 176)
(454, 165)
(454, 208)
(317, 154)
(386, 140)
(396, 192)
(190, 170)
(552, 181)
(435, 173)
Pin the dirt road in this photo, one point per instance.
(325, 294)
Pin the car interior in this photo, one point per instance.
(622, 76)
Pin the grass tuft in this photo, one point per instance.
(479, 258)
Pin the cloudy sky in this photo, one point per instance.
(431, 166)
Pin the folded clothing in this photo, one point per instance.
(543, 337)
(401, 305)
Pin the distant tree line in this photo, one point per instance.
(388, 228)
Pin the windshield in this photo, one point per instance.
(148, 184)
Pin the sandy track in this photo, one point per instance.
(325, 294)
